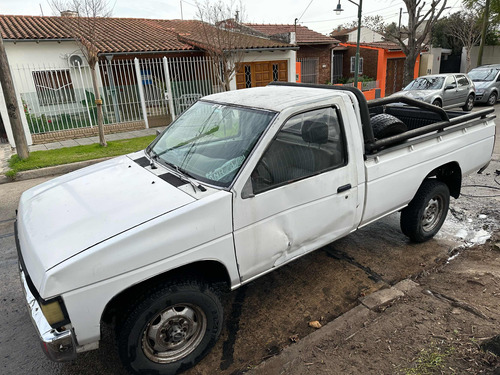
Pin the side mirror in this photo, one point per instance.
(450, 87)
(158, 132)
(247, 191)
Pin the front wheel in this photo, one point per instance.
(425, 214)
(170, 329)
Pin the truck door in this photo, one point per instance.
(303, 194)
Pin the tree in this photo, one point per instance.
(412, 38)
(84, 27)
(374, 23)
(222, 37)
(465, 26)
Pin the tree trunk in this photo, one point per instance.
(12, 107)
(409, 67)
(98, 102)
(467, 59)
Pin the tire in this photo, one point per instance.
(469, 103)
(425, 214)
(170, 329)
(385, 125)
(492, 99)
(437, 103)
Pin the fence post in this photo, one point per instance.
(84, 94)
(169, 88)
(141, 91)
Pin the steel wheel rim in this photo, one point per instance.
(470, 103)
(174, 333)
(432, 214)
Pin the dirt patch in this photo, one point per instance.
(436, 328)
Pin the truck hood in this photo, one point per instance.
(65, 216)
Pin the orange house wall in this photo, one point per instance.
(383, 56)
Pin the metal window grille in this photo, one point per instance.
(353, 65)
(309, 69)
(54, 87)
(276, 71)
(248, 76)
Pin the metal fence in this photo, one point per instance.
(60, 97)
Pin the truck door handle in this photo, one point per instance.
(344, 188)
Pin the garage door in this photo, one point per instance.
(255, 74)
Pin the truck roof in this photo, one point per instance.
(275, 98)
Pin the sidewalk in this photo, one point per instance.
(6, 150)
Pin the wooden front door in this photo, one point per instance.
(394, 76)
(261, 73)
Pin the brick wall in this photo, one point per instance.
(370, 59)
(86, 132)
(321, 51)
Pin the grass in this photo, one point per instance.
(66, 155)
(430, 361)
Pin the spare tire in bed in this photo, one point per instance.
(385, 125)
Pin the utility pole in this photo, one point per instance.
(486, 16)
(12, 107)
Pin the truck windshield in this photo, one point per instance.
(211, 141)
(481, 75)
(425, 83)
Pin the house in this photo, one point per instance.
(382, 61)
(350, 35)
(315, 49)
(148, 72)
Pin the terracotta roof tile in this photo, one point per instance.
(304, 35)
(123, 34)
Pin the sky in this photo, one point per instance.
(317, 15)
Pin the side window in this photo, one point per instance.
(462, 81)
(308, 144)
(450, 81)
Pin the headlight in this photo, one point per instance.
(479, 91)
(53, 312)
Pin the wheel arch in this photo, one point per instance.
(451, 174)
(210, 271)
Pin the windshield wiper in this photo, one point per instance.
(181, 174)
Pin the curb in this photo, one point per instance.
(345, 326)
(51, 171)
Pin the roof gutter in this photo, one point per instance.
(263, 49)
(147, 52)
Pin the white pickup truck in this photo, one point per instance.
(240, 184)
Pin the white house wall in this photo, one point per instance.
(366, 36)
(289, 55)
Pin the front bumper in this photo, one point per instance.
(58, 345)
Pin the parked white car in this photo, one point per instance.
(240, 184)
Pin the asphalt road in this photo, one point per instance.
(264, 316)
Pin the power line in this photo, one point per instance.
(305, 10)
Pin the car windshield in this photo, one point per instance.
(210, 142)
(425, 83)
(481, 75)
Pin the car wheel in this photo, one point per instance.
(437, 103)
(425, 214)
(469, 103)
(385, 125)
(492, 99)
(170, 329)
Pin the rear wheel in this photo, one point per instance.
(425, 214)
(492, 99)
(170, 329)
(469, 103)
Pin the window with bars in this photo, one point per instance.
(276, 71)
(54, 87)
(248, 76)
(353, 65)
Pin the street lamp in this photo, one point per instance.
(339, 9)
